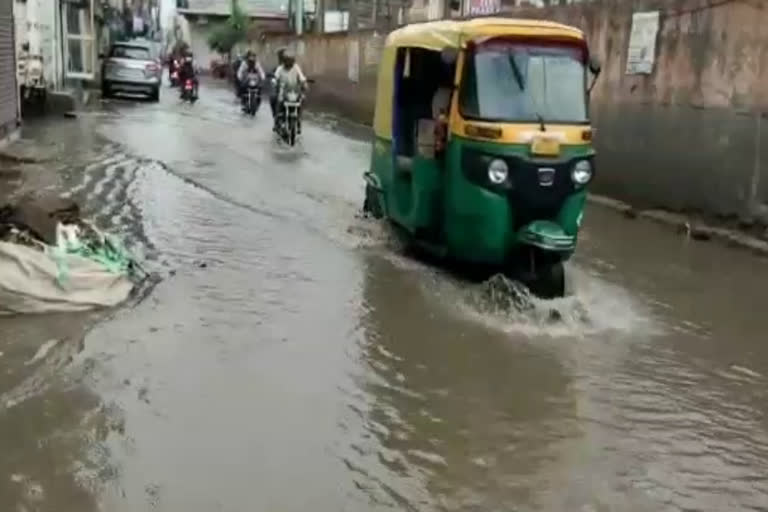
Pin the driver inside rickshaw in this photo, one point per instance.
(424, 94)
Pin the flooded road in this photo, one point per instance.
(292, 359)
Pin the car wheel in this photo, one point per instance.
(106, 90)
(155, 96)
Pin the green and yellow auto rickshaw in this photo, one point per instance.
(483, 145)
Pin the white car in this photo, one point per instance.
(133, 68)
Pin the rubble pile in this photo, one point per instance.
(52, 259)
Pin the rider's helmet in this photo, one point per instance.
(280, 53)
(289, 58)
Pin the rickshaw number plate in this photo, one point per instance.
(545, 146)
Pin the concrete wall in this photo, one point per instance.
(326, 58)
(201, 27)
(691, 136)
(198, 42)
(47, 35)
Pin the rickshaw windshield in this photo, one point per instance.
(517, 82)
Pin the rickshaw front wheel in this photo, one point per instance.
(549, 281)
(371, 205)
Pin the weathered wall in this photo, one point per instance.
(691, 136)
(326, 59)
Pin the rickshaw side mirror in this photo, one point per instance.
(594, 65)
(594, 68)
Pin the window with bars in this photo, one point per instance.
(79, 46)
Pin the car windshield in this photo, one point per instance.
(131, 52)
(507, 81)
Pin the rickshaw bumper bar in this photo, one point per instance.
(546, 235)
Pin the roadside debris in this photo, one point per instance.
(42, 351)
(51, 259)
(27, 151)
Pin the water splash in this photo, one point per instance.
(592, 306)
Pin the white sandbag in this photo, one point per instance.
(32, 281)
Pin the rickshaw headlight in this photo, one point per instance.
(581, 173)
(498, 171)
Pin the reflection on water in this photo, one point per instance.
(454, 405)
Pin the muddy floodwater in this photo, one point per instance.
(291, 358)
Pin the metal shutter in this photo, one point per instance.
(8, 88)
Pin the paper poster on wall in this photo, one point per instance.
(373, 48)
(642, 42)
(482, 7)
(353, 64)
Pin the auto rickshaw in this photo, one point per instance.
(483, 145)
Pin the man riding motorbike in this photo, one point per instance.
(187, 72)
(237, 60)
(273, 84)
(175, 58)
(289, 76)
(248, 66)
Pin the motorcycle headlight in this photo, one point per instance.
(581, 174)
(498, 171)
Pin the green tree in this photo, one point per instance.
(227, 34)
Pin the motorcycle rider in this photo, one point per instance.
(175, 57)
(187, 72)
(248, 66)
(273, 84)
(236, 61)
(289, 76)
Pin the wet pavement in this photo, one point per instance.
(292, 359)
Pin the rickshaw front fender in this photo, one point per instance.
(547, 236)
(478, 225)
(481, 227)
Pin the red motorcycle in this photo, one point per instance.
(173, 71)
(188, 91)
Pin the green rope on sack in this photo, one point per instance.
(106, 250)
(59, 256)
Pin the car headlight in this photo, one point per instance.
(498, 171)
(581, 174)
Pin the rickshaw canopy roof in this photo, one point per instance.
(449, 34)
(440, 35)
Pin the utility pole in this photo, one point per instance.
(352, 23)
(375, 14)
(319, 16)
(299, 17)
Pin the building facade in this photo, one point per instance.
(64, 33)
(202, 16)
(9, 101)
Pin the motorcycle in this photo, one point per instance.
(289, 122)
(252, 97)
(174, 69)
(188, 91)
